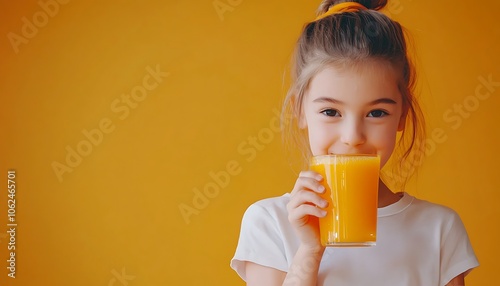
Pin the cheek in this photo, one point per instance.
(385, 143)
(320, 138)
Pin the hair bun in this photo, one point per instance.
(369, 4)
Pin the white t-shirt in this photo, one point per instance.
(418, 243)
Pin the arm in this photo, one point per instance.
(456, 250)
(457, 281)
(303, 271)
(303, 214)
(305, 266)
(258, 275)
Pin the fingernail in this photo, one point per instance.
(324, 204)
(323, 213)
(321, 189)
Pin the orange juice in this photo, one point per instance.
(351, 183)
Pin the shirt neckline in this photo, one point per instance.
(396, 207)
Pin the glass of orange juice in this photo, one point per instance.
(351, 183)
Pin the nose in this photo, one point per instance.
(352, 133)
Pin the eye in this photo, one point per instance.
(331, 112)
(377, 113)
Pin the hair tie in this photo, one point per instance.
(342, 7)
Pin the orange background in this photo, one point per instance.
(117, 213)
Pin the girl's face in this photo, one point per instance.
(354, 110)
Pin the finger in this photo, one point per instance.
(311, 174)
(302, 211)
(306, 197)
(307, 183)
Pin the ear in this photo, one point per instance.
(402, 119)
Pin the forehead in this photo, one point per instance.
(364, 81)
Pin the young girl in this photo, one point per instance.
(352, 91)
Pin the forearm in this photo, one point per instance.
(304, 268)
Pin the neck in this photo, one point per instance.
(386, 196)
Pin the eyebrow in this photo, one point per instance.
(335, 101)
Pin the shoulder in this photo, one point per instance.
(456, 253)
(268, 218)
(274, 202)
(437, 215)
(427, 208)
(266, 236)
(273, 207)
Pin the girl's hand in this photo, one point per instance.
(304, 208)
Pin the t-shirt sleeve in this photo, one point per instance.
(457, 255)
(260, 242)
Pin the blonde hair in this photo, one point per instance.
(346, 39)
